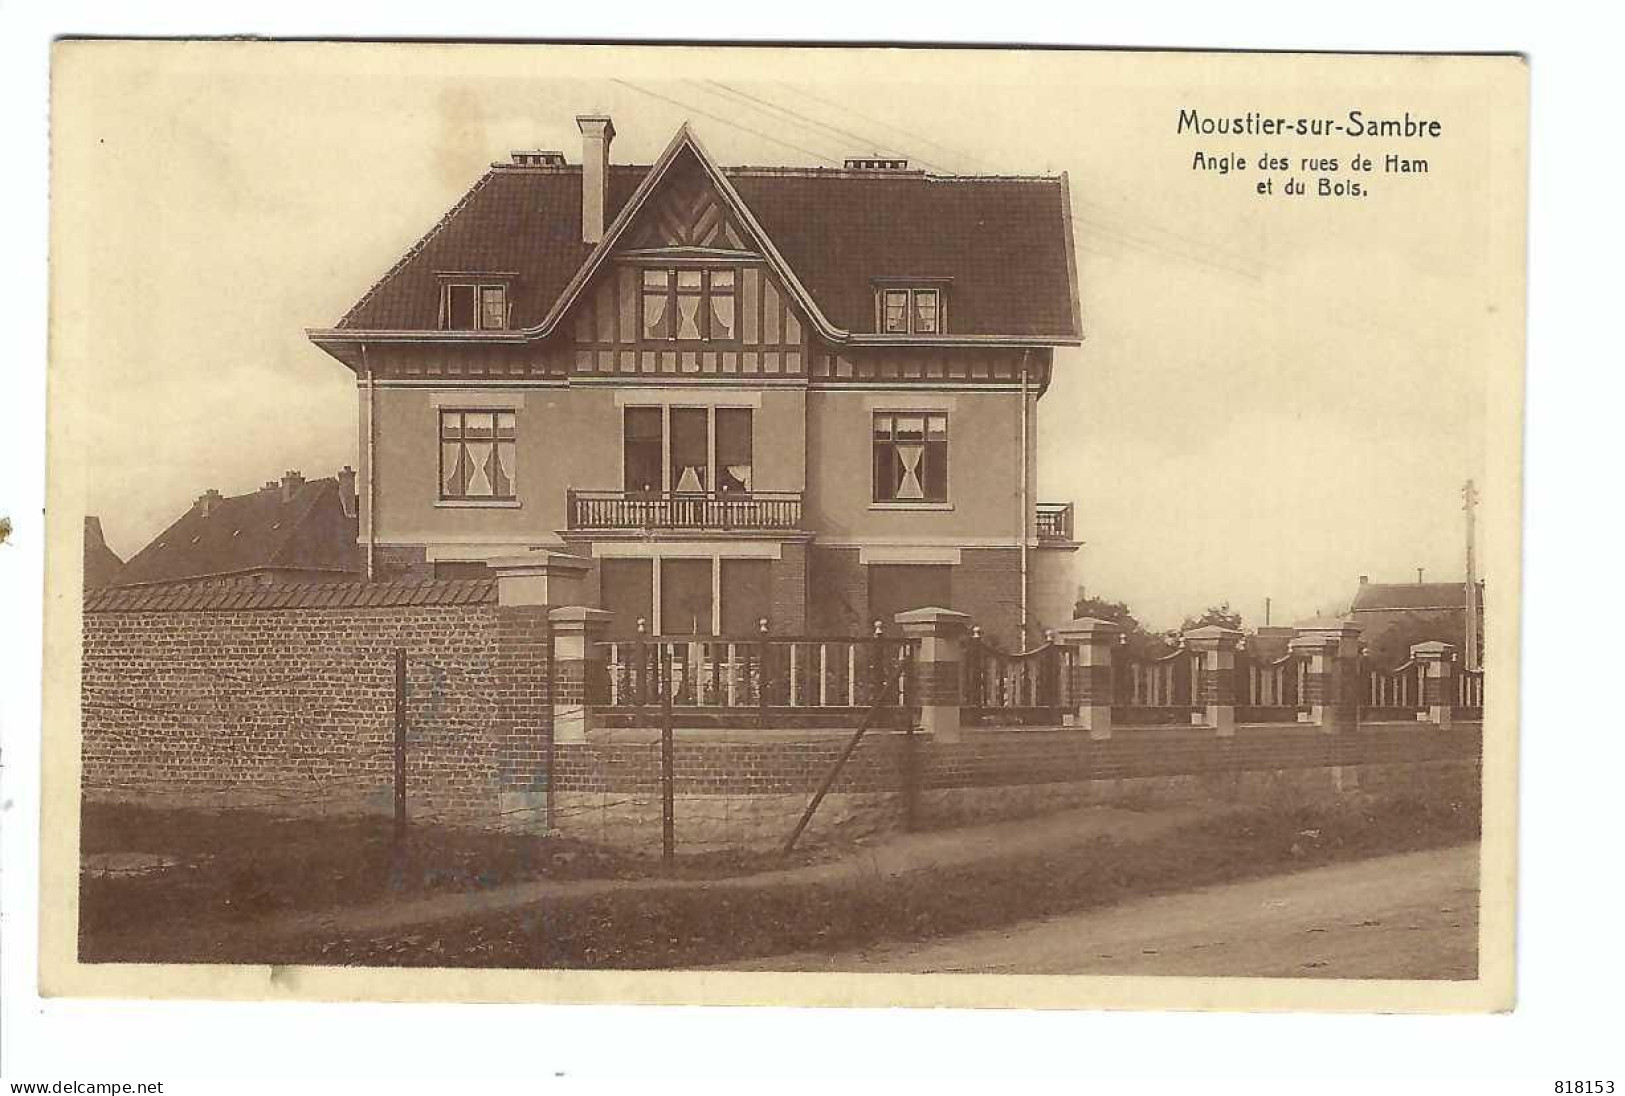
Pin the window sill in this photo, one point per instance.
(477, 504)
(911, 506)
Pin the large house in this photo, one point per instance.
(800, 395)
(292, 530)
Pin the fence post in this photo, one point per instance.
(1216, 686)
(578, 668)
(936, 667)
(1438, 660)
(1330, 685)
(1092, 685)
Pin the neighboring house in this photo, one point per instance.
(1393, 616)
(102, 564)
(804, 395)
(290, 530)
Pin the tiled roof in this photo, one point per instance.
(1380, 596)
(517, 220)
(102, 564)
(319, 595)
(1000, 243)
(250, 532)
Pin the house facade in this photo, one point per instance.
(804, 397)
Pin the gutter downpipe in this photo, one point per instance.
(1026, 504)
(372, 455)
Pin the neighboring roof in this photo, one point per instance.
(1381, 596)
(258, 531)
(322, 595)
(1002, 243)
(102, 564)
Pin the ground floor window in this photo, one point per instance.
(701, 596)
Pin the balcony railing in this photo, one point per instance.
(1054, 521)
(685, 510)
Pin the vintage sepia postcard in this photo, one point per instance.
(821, 526)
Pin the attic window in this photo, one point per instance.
(689, 304)
(910, 310)
(473, 306)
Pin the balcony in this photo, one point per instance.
(1054, 522)
(685, 511)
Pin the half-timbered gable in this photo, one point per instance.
(686, 293)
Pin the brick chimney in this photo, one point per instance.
(207, 501)
(291, 482)
(597, 131)
(1364, 579)
(346, 479)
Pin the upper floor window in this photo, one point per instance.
(911, 310)
(473, 306)
(477, 454)
(910, 457)
(690, 304)
(689, 450)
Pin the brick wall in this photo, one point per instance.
(283, 699)
(987, 586)
(789, 591)
(837, 592)
(735, 790)
(764, 764)
(401, 563)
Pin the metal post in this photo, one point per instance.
(400, 747)
(668, 806)
(761, 675)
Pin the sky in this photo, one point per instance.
(1273, 397)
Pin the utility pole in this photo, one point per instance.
(1469, 504)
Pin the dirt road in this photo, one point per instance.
(1413, 915)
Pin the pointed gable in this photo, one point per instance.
(686, 211)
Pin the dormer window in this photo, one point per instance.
(910, 310)
(473, 305)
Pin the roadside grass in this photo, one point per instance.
(236, 865)
(686, 926)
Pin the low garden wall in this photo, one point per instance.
(283, 699)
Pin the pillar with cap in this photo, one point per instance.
(1216, 684)
(1091, 685)
(578, 668)
(529, 586)
(1438, 662)
(938, 632)
(1331, 647)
